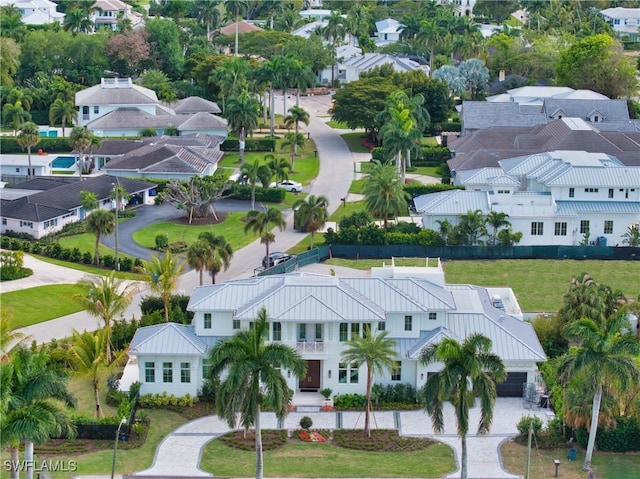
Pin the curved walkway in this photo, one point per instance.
(484, 462)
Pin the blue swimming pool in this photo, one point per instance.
(63, 162)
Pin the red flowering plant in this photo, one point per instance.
(311, 436)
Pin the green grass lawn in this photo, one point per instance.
(305, 244)
(84, 242)
(90, 269)
(354, 142)
(82, 390)
(325, 460)
(232, 229)
(339, 125)
(357, 186)
(429, 141)
(34, 305)
(426, 171)
(605, 465)
(348, 209)
(538, 284)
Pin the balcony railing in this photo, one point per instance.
(310, 347)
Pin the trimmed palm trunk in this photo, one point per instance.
(463, 457)
(272, 113)
(595, 413)
(367, 412)
(14, 453)
(28, 457)
(259, 468)
(96, 398)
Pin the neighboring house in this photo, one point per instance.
(107, 14)
(387, 31)
(553, 198)
(464, 8)
(317, 314)
(624, 21)
(535, 95)
(349, 69)
(46, 204)
(315, 14)
(36, 12)
(174, 158)
(18, 165)
(485, 147)
(243, 27)
(118, 107)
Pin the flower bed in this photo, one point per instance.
(311, 436)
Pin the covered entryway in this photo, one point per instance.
(513, 386)
(311, 382)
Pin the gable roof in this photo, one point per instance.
(612, 110)
(453, 202)
(480, 114)
(163, 158)
(169, 338)
(116, 91)
(194, 104)
(132, 118)
(243, 27)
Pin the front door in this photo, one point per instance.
(312, 379)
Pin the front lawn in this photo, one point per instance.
(301, 459)
(338, 125)
(605, 465)
(232, 228)
(42, 303)
(347, 210)
(89, 269)
(357, 186)
(354, 142)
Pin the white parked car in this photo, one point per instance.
(288, 185)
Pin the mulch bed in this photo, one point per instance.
(184, 220)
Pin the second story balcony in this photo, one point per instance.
(310, 347)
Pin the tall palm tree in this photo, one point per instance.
(312, 213)
(268, 73)
(471, 227)
(9, 338)
(334, 32)
(242, 112)
(296, 115)
(209, 14)
(28, 137)
(279, 167)
(231, 78)
(107, 298)
(632, 236)
(378, 353)
(15, 115)
(293, 141)
(198, 257)
(237, 8)
(261, 222)
(100, 223)
(87, 356)
(384, 194)
(163, 275)
(497, 219)
(469, 372)
(77, 21)
(221, 253)
(250, 373)
(33, 397)
(606, 354)
(302, 76)
(80, 140)
(62, 110)
(252, 173)
(586, 298)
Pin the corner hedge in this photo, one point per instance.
(250, 144)
(429, 155)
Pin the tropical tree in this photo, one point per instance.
(377, 351)
(606, 354)
(279, 167)
(632, 236)
(236, 8)
(198, 257)
(384, 194)
(163, 274)
(80, 140)
(89, 201)
(312, 213)
(62, 110)
(9, 338)
(231, 78)
(87, 356)
(296, 115)
(445, 228)
(585, 298)
(252, 173)
(469, 372)
(34, 395)
(15, 115)
(260, 222)
(77, 21)
(100, 223)
(334, 32)
(497, 219)
(221, 253)
(293, 141)
(107, 298)
(28, 137)
(209, 14)
(471, 227)
(242, 111)
(249, 370)
(268, 73)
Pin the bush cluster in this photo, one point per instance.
(429, 155)
(625, 437)
(9, 145)
(271, 439)
(403, 394)
(155, 401)
(418, 189)
(250, 144)
(381, 440)
(549, 437)
(372, 234)
(269, 195)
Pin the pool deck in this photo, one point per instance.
(36, 159)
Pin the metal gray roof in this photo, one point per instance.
(126, 96)
(481, 114)
(609, 110)
(453, 202)
(430, 296)
(194, 104)
(167, 339)
(575, 208)
(388, 297)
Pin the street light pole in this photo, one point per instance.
(123, 421)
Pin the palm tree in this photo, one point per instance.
(208, 14)
(252, 173)
(62, 110)
(28, 137)
(260, 222)
(107, 298)
(606, 355)
(252, 374)
(242, 112)
(268, 73)
(334, 32)
(302, 76)
(100, 223)
(89, 201)
(497, 219)
(237, 8)
(383, 192)
(221, 253)
(9, 338)
(33, 397)
(471, 227)
(293, 141)
(378, 353)
(15, 115)
(77, 21)
(87, 356)
(296, 115)
(163, 275)
(279, 167)
(445, 228)
(632, 236)
(80, 140)
(198, 257)
(231, 78)
(312, 213)
(469, 372)
(585, 298)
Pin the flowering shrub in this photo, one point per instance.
(311, 436)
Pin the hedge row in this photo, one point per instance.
(625, 437)
(429, 155)
(447, 126)
(271, 195)
(9, 145)
(251, 144)
(417, 189)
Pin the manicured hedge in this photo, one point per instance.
(251, 144)
(625, 437)
(417, 190)
(9, 145)
(447, 126)
(270, 195)
(429, 155)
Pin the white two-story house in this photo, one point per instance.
(624, 21)
(107, 14)
(316, 315)
(553, 198)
